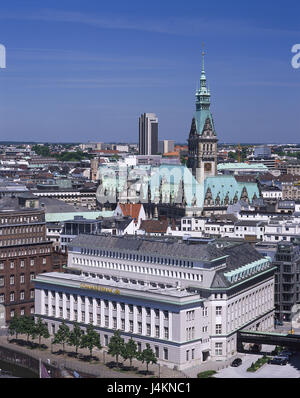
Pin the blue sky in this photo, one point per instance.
(85, 70)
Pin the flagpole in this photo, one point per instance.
(40, 362)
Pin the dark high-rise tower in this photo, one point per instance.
(202, 142)
(148, 134)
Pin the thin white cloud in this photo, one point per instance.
(190, 26)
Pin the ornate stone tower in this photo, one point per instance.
(202, 142)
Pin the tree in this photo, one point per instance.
(116, 345)
(129, 351)
(41, 330)
(75, 336)
(90, 339)
(62, 335)
(27, 326)
(15, 326)
(148, 356)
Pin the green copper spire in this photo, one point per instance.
(202, 101)
(203, 77)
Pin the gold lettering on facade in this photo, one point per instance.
(99, 288)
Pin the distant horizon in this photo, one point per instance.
(135, 143)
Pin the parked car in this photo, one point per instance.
(236, 362)
(285, 353)
(278, 361)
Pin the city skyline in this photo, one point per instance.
(97, 70)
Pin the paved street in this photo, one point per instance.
(96, 369)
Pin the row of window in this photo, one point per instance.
(106, 321)
(105, 304)
(138, 269)
(24, 252)
(12, 296)
(20, 230)
(12, 279)
(24, 241)
(22, 263)
(136, 257)
(16, 220)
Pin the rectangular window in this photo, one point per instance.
(166, 333)
(218, 329)
(148, 326)
(166, 354)
(218, 310)
(218, 348)
(131, 326)
(188, 355)
(156, 331)
(139, 327)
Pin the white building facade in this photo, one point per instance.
(186, 301)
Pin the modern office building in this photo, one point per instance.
(166, 146)
(148, 134)
(287, 279)
(262, 152)
(186, 300)
(79, 225)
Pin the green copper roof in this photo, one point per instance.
(222, 185)
(91, 215)
(227, 166)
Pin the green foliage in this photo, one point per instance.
(258, 364)
(62, 335)
(129, 351)
(206, 374)
(42, 150)
(75, 336)
(15, 326)
(148, 356)
(73, 156)
(233, 155)
(116, 345)
(40, 330)
(90, 339)
(27, 326)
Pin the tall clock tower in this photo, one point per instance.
(202, 141)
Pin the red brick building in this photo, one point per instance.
(24, 253)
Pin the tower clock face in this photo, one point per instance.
(207, 167)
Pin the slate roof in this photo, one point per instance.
(238, 255)
(164, 247)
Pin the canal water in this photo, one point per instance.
(12, 370)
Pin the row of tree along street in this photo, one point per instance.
(79, 338)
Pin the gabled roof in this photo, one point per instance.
(131, 209)
(155, 226)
